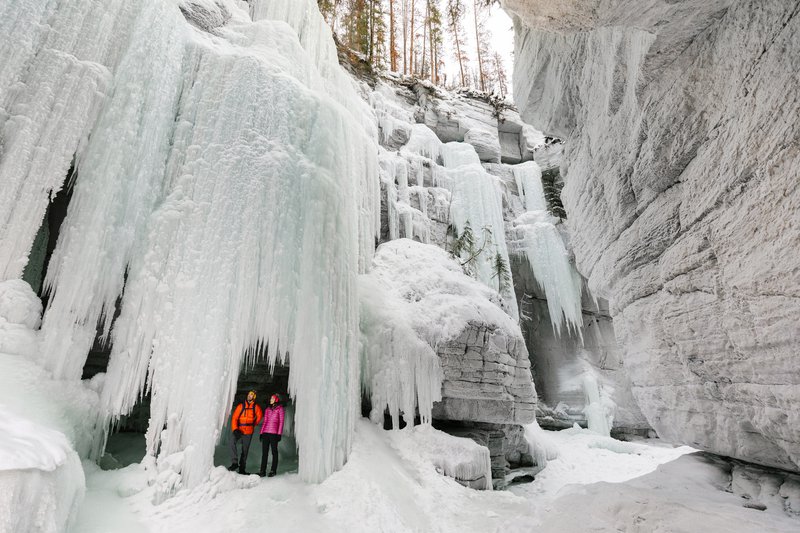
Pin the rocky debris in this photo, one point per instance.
(766, 488)
(680, 214)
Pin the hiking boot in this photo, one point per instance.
(271, 474)
(243, 472)
(262, 474)
(234, 466)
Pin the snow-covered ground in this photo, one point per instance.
(594, 485)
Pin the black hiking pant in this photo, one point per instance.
(269, 440)
(241, 460)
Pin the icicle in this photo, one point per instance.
(121, 178)
(52, 82)
(536, 238)
(423, 142)
(232, 177)
(316, 38)
(528, 177)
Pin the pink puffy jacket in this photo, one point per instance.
(273, 420)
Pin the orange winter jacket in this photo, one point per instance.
(245, 417)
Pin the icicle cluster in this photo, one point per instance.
(536, 237)
(227, 182)
(400, 370)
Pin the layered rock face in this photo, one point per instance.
(486, 377)
(681, 168)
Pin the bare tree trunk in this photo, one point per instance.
(412, 38)
(392, 44)
(434, 66)
(424, 37)
(458, 51)
(478, 45)
(371, 7)
(405, 37)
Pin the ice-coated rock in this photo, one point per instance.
(20, 318)
(465, 460)
(206, 14)
(681, 168)
(416, 304)
(19, 304)
(40, 492)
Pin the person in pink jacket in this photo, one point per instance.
(271, 431)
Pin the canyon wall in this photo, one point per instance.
(682, 190)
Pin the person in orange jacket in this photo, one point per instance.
(244, 420)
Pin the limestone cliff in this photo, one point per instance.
(682, 173)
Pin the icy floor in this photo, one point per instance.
(596, 484)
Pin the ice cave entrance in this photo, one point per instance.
(258, 377)
(126, 442)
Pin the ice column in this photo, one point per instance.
(257, 240)
(595, 410)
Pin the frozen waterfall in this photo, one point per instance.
(538, 240)
(226, 189)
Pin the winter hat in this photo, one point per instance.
(275, 397)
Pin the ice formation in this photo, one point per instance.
(415, 298)
(20, 315)
(460, 458)
(41, 479)
(476, 200)
(475, 196)
(598, 417)
(537, 239)
(216, 174)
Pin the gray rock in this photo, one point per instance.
(204, 16)
(487, 378)
(681, 168)
(485, 142)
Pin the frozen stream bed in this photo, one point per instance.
(596, 484)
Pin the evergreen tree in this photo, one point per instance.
(501, 272)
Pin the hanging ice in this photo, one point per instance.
(231, 177)
(528, 177)
(537, 239)
(477, 201)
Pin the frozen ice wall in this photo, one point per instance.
(478, 201)
(537, 239)
(226, 180)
